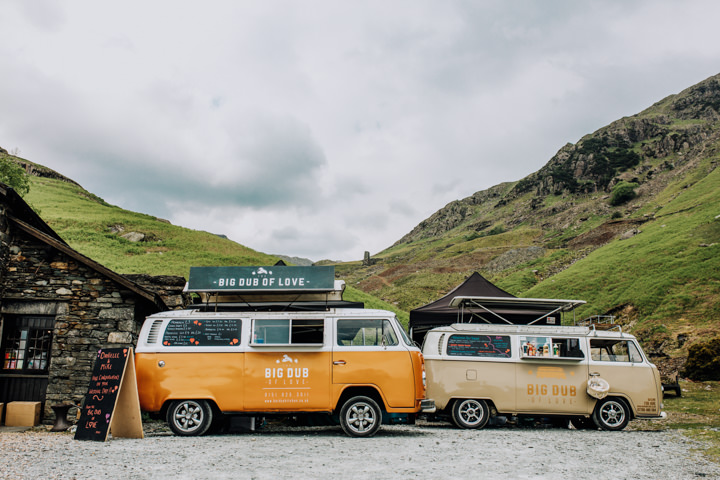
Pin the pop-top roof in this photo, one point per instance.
(514, 302)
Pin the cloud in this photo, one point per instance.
(327, 129)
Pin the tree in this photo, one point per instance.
(13, 175)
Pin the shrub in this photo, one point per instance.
(623, 192)
(13, 175)
(497, 230)
(703, 363)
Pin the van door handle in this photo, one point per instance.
(339, 362)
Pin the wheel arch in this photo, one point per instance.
(361, 391)
(451, 403)
(621, 397)
(168, 401)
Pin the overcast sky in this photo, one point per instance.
(326, 128)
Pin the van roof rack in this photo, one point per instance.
(274, 306)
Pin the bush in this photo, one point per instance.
(623, 192)
(703, 363)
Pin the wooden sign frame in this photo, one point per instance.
(112, 403)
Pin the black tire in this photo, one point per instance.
(611, 414)
(470, 413)
(360, 417)
(189, 417)
(583, 423)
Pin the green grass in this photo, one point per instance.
(668, 271)
(696, 414)
(85, 222)
(355, 295)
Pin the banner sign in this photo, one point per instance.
(261, 279)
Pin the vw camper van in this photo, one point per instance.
(257, 359)
(595, 378)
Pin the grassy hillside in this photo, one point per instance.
(94, 228)
(651, 259)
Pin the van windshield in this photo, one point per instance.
(404, 336)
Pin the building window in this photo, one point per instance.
(26, 344)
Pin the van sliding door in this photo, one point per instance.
(552, 380)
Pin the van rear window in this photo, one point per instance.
(285, 331)
(497, 346)
(205, 332)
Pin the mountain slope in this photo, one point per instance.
(133, 243)
(129, 242)
(566, 232)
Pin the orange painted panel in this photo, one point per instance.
(215, 376)
(287, 381)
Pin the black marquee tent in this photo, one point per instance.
(477, 300)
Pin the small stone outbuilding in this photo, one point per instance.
(57, 309)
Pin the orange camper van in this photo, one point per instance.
(277, 356)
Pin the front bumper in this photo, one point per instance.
(662, 416)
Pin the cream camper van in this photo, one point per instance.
(277, 341)
(592, 377)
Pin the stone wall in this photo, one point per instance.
(91, 311)
(170, 288)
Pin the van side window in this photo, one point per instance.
(361, 332)
(569, 347)
(497, 346)
(541, 346)
(286, 331)
(604, 350)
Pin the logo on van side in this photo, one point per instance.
(287, 375)
(557, 390)
(287, 383)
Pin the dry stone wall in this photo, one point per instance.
(91, 311)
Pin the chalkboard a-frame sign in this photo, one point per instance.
(112, 403)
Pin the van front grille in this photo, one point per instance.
(154, 332)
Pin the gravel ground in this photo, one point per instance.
(423, 451)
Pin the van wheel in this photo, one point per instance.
(189, 417)
(470, 413)
(611, 414)
(360, 417)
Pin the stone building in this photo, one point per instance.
(57, 309)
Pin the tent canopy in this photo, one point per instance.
(479, 301)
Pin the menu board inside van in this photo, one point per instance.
(479, 346)
(205, 332)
